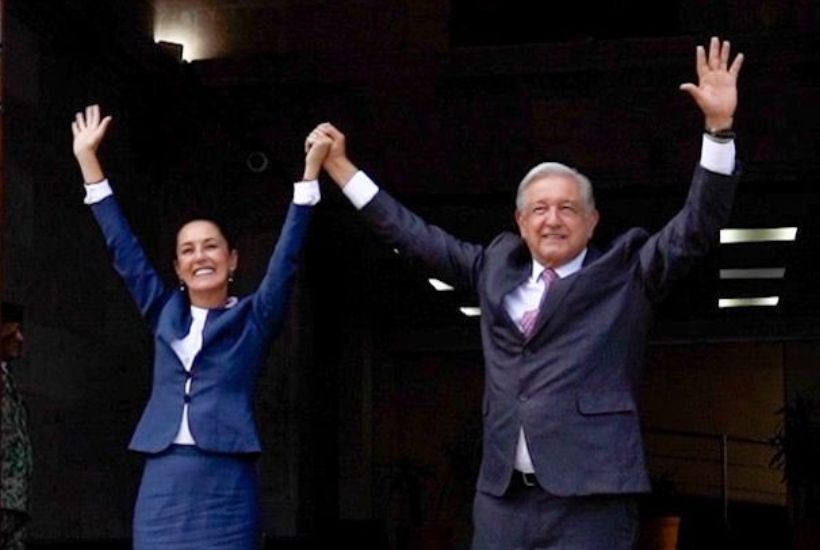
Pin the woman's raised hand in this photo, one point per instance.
(89, 130)
(317, 146)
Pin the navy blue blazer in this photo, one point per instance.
(573, 384)
(234, 341)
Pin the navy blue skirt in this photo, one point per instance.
(191, 499)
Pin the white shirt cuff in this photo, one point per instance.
(95, 192)
(718, 157)
(306, 193)
(360, 190)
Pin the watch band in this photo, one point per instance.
(721, 134)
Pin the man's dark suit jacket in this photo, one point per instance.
(234, 341)
(573, 385)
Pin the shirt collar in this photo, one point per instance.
(564, 270)
(229, 303)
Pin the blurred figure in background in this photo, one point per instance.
(15, 446)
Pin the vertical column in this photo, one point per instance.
(2, 172)
(2, 143)
(2, 175)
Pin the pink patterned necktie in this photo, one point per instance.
(528, 320)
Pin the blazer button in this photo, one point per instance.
(187, 398)
(188, 374)
(522, 398)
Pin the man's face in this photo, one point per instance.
(555, 221)
(11, 341)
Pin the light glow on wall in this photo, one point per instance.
(768, 301)
(759, 235)
(754, 273)
(186, 27)
(440, 285)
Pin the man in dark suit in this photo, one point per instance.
(564, 331)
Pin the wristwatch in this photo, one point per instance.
(722, 135)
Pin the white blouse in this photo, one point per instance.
(187, 349)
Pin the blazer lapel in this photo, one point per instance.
(558, 290)
(508, 278)
(555, 295)
(213, 323)
(175, 319)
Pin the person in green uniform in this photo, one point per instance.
(15, 446)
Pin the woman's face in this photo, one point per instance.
(203, 260)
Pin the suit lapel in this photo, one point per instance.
(509, 277)
(175, 319)
(213, 323)
(555, 295)
(558, 290)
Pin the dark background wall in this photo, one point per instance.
(370, 406)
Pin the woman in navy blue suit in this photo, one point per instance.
(199, 487)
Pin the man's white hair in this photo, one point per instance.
(549, 169)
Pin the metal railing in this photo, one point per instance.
(724, 442)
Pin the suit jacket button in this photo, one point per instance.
(187, 398)
(188, 374)
(523, 398)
